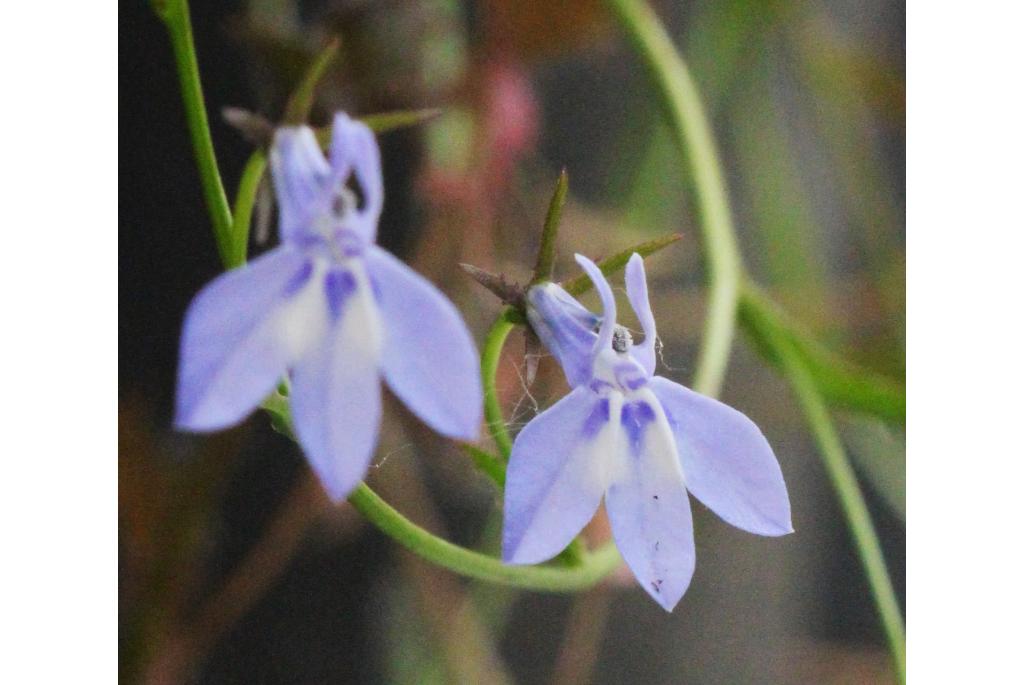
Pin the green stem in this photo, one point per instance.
(175, 16)
(592, 569)
(575, 568)
(245, 200)
(489, 370)
(844, 480)
(692, 133)
(492, 466)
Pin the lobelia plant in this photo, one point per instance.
(638, 440)
(335, 310)
(336, 313)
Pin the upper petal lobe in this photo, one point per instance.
(636, 290)
(354, 150)
(565, 327)
(302, 179)
(608, 321)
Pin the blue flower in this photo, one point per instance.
(638, 440)
(335, 311)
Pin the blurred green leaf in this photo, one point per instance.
(388, 121)
(296, 112)
(384, 122)
(413, 658)
(845, 128)
(787, 242)
(720, 39)
(843, 383)
(580, 284)
(880, 454)
(546, 254)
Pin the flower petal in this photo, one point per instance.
(636, 290)
(301, 178)
(240, 333)
(648, 506)
(565, 327)
(335, 395)
(354, 148)
(727, 463)
(604, 336)
(556, 476)
(429, 359)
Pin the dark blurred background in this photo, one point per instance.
(233, 569)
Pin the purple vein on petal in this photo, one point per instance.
(636, 416)
(596, 420)
(339, 285)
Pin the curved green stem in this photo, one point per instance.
(492, 466)
(575, 553)
(844, 481)
(579, 569)
(591, 569)
(175, 16)
(489, 370)
(245, 200)
(692, 133)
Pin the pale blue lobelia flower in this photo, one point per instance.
(334, 310)
(636, 439)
